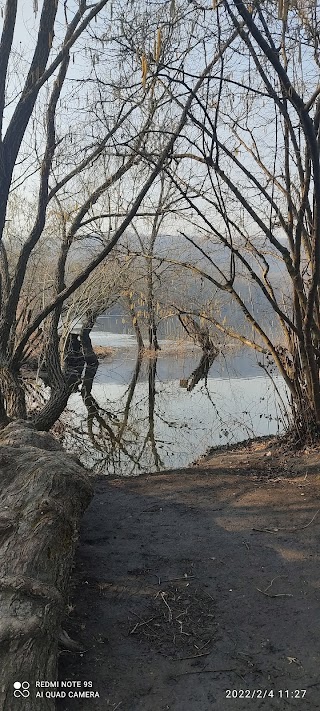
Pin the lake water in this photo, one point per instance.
(141, 419)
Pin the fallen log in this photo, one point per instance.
(44, 493)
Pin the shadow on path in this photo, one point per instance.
(180, 594)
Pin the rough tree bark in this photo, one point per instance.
(43, 496)
(12, 392)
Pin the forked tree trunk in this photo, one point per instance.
(43, 495)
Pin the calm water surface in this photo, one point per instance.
(142, 418)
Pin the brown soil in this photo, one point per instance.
(194, 582)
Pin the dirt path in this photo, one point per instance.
(187, 586)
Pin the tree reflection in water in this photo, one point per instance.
(133, 416)
(121, 436)
(106, 429)
(201, 336)
(201, 371)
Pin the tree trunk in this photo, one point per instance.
(44, 493)
(91, 359)
(53, 408)
(135, 324)
(12, 393)
(152, 326)
(63, 382)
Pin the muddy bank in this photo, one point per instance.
(198, 581)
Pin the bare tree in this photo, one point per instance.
(248, 168)
(71, 169)
(79, 112)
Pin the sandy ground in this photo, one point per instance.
(199, 589)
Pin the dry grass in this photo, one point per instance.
(103, 351)
(174, 347)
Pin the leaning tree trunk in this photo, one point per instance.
(52, 409)
(43, 495)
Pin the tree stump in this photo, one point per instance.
(44, 493)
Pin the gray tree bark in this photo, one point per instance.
(43, 495)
